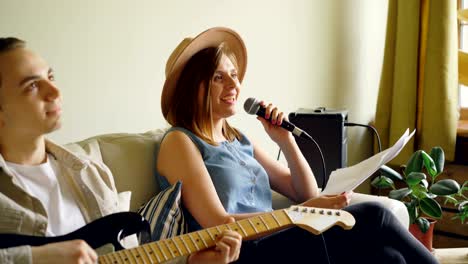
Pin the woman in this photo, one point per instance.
(226, 175)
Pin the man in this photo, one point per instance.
(46, 190)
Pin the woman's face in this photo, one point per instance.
(225, 88)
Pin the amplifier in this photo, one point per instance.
(326, 126)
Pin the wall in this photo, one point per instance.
(109, 57)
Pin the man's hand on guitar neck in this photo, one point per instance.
(74, 251)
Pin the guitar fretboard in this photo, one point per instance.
(167, 249)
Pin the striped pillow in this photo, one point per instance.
(164, 213)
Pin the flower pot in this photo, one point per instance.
(424, 238)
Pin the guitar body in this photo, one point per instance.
(105, 230)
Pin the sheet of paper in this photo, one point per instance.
(347, 179)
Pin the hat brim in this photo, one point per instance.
(212, 37)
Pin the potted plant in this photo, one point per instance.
(419, 176)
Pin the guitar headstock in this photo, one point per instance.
(318, 220)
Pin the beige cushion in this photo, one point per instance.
(396, 207)
(131, 159)
(88, 148)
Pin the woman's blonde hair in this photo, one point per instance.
(184, 109)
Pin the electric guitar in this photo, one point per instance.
(114, 227)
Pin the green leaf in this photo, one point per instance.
(462, 217)
(463, 212)
(450, 199)
(430, 207)
(464, 187)
(399, 194)
(437, 154)
(412, 210)
(445, 187)
(429, 164)
(383, 182)
(425, 183)
(465, 184)
(390, 173)
(415, 163)
(415, 178)
(463, 206)
(420, 191)
(423, 224)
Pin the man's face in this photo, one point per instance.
(30, 103)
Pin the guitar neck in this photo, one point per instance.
(186, 244)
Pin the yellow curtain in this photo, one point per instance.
(419, 84)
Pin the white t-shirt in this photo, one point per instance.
(41, 181)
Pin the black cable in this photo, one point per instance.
(378, 141)
(325, 248)
(371, 128)
(324, 182)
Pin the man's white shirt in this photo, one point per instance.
(41, 181)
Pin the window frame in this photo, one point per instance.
(460, 24)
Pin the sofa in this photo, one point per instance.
(131, 158)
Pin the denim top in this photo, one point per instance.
(240, 181)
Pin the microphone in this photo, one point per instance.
(252, 106)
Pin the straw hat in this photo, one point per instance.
(212, 37)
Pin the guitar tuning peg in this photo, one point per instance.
(337, 213)
(329, 213)
(304, 210)
(312, 211)
(296, 209)
(321, 212)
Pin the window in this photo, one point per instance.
(463, 45)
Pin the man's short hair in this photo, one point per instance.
(10, 43)
(7, 44)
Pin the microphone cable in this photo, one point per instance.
(324, 182)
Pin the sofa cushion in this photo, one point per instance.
(131, 159)
(164, 213)
(396, 207)
(90, 149)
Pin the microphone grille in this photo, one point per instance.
(251, 105)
